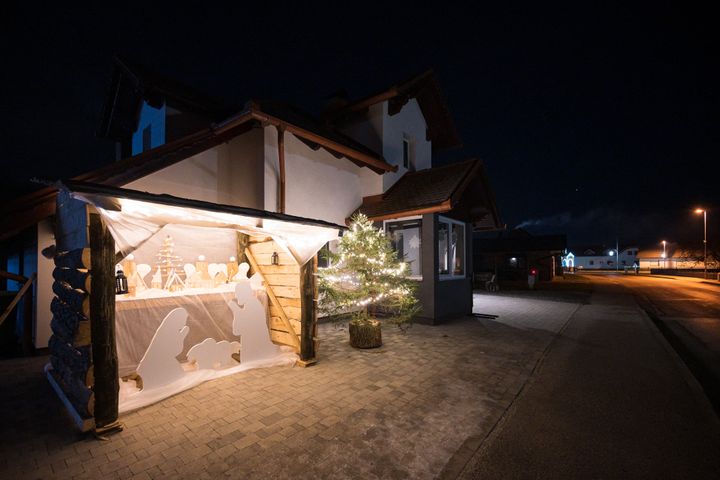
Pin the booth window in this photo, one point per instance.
(405, 236)
(451, 248)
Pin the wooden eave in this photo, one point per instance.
(442, 207)
(375, 163)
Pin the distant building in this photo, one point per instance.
(511, 255)
(598, 257)
(673, 257)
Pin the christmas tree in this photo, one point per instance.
(170, 265)
(366, 278)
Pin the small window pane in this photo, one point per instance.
(406, 153)
(458, 249)
(443, 248)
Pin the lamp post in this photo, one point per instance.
(704, 212)
(664, 255)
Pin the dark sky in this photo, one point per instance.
(598, 121)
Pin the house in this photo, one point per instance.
(372, 155)
(512, 255)
(599, 257)
(283, 180)
(672, 257)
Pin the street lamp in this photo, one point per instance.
(664, 255)
(704, 212)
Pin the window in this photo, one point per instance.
(323, 256)
(405, 236)
(147, 138)
(451, 248)
(408, 152)
(592, 262)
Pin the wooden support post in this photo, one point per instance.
(308, 320)
(281, 162)
(102, 321)
(27, 342)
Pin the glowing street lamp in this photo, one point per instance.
(704, 212)
(664, 255)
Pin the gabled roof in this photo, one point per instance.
(460, 187)
(131, 84)
(425, 88)
(32, 208)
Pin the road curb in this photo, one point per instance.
(462, 457)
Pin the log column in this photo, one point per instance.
(102, 318)
(308, 320)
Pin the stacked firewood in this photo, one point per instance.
(70, 344)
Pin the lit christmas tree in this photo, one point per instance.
(366, 278)
(170, 266)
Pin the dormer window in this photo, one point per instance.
(408, 153)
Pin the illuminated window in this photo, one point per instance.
(451, 248)
(405, 236)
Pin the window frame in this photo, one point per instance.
(450, 222)
(407, 219)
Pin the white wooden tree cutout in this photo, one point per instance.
(250, 323)
(159, 366)
(212, 354)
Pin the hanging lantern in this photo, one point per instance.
(275, 258)
(121, 283)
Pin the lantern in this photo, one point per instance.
(121, 283)
(274, 258)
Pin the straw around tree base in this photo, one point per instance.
(365, 333)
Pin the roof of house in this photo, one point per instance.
(425, 88)
(589, 250)
(437, 190)
(132, 83)
(30, 209)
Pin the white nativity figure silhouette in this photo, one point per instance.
(250, 324)
(159, 366)
(212, 354)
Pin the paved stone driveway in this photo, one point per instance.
(401, 411)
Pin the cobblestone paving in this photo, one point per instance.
(400, 411)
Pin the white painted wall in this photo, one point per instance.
(43, 287)
(317, 184)
(411, 122)
(231, 173)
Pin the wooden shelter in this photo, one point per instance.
(83, 365)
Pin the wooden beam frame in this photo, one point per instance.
(275, 301)
(20, 294)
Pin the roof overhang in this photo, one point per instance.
(470, 199)
(133, 217)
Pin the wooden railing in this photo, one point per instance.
(25, 293)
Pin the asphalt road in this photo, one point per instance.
(687, 312)
(610, 398)
(693, 303)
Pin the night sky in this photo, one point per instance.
(599, 122)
